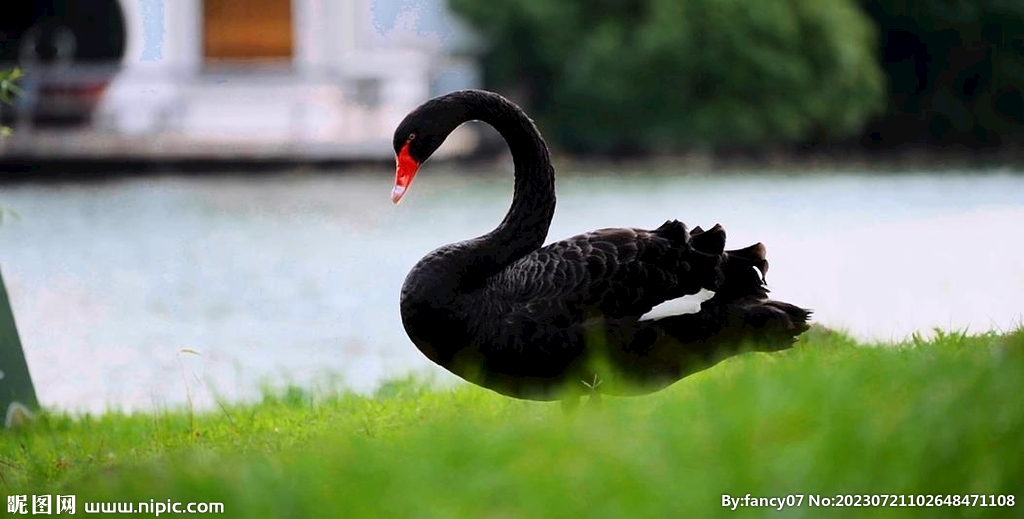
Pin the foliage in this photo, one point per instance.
(641, 74)
(8, 91)
(956, 71)
(931, 416)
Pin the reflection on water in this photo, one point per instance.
(296, 278)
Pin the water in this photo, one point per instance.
(296, 277)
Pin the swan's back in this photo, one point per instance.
(611, 273)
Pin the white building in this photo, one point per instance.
(330, 77)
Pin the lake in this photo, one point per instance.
(144, 293)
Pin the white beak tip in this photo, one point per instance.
(397, 193)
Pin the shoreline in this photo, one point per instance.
(17, 168)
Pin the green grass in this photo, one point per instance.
(942, 416)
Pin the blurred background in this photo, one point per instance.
(212, 176)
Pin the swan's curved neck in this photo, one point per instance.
(525, 226)
(463, 266)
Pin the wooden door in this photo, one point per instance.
(244, 30)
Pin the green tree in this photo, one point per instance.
(613, 75)
(956, 70)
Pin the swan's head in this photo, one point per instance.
(423, 131)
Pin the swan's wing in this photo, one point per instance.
(609, 273)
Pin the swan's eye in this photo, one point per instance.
(411, 137)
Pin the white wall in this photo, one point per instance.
(163, 86)
(163, 46)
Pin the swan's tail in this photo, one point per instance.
(739, 316)
(759, 324)
(726, 329)
(668, 349)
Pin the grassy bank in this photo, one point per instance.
(830, 417)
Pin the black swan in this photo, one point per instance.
(553, 322)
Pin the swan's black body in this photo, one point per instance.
(532, 321)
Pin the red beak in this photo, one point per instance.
(405, 171)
